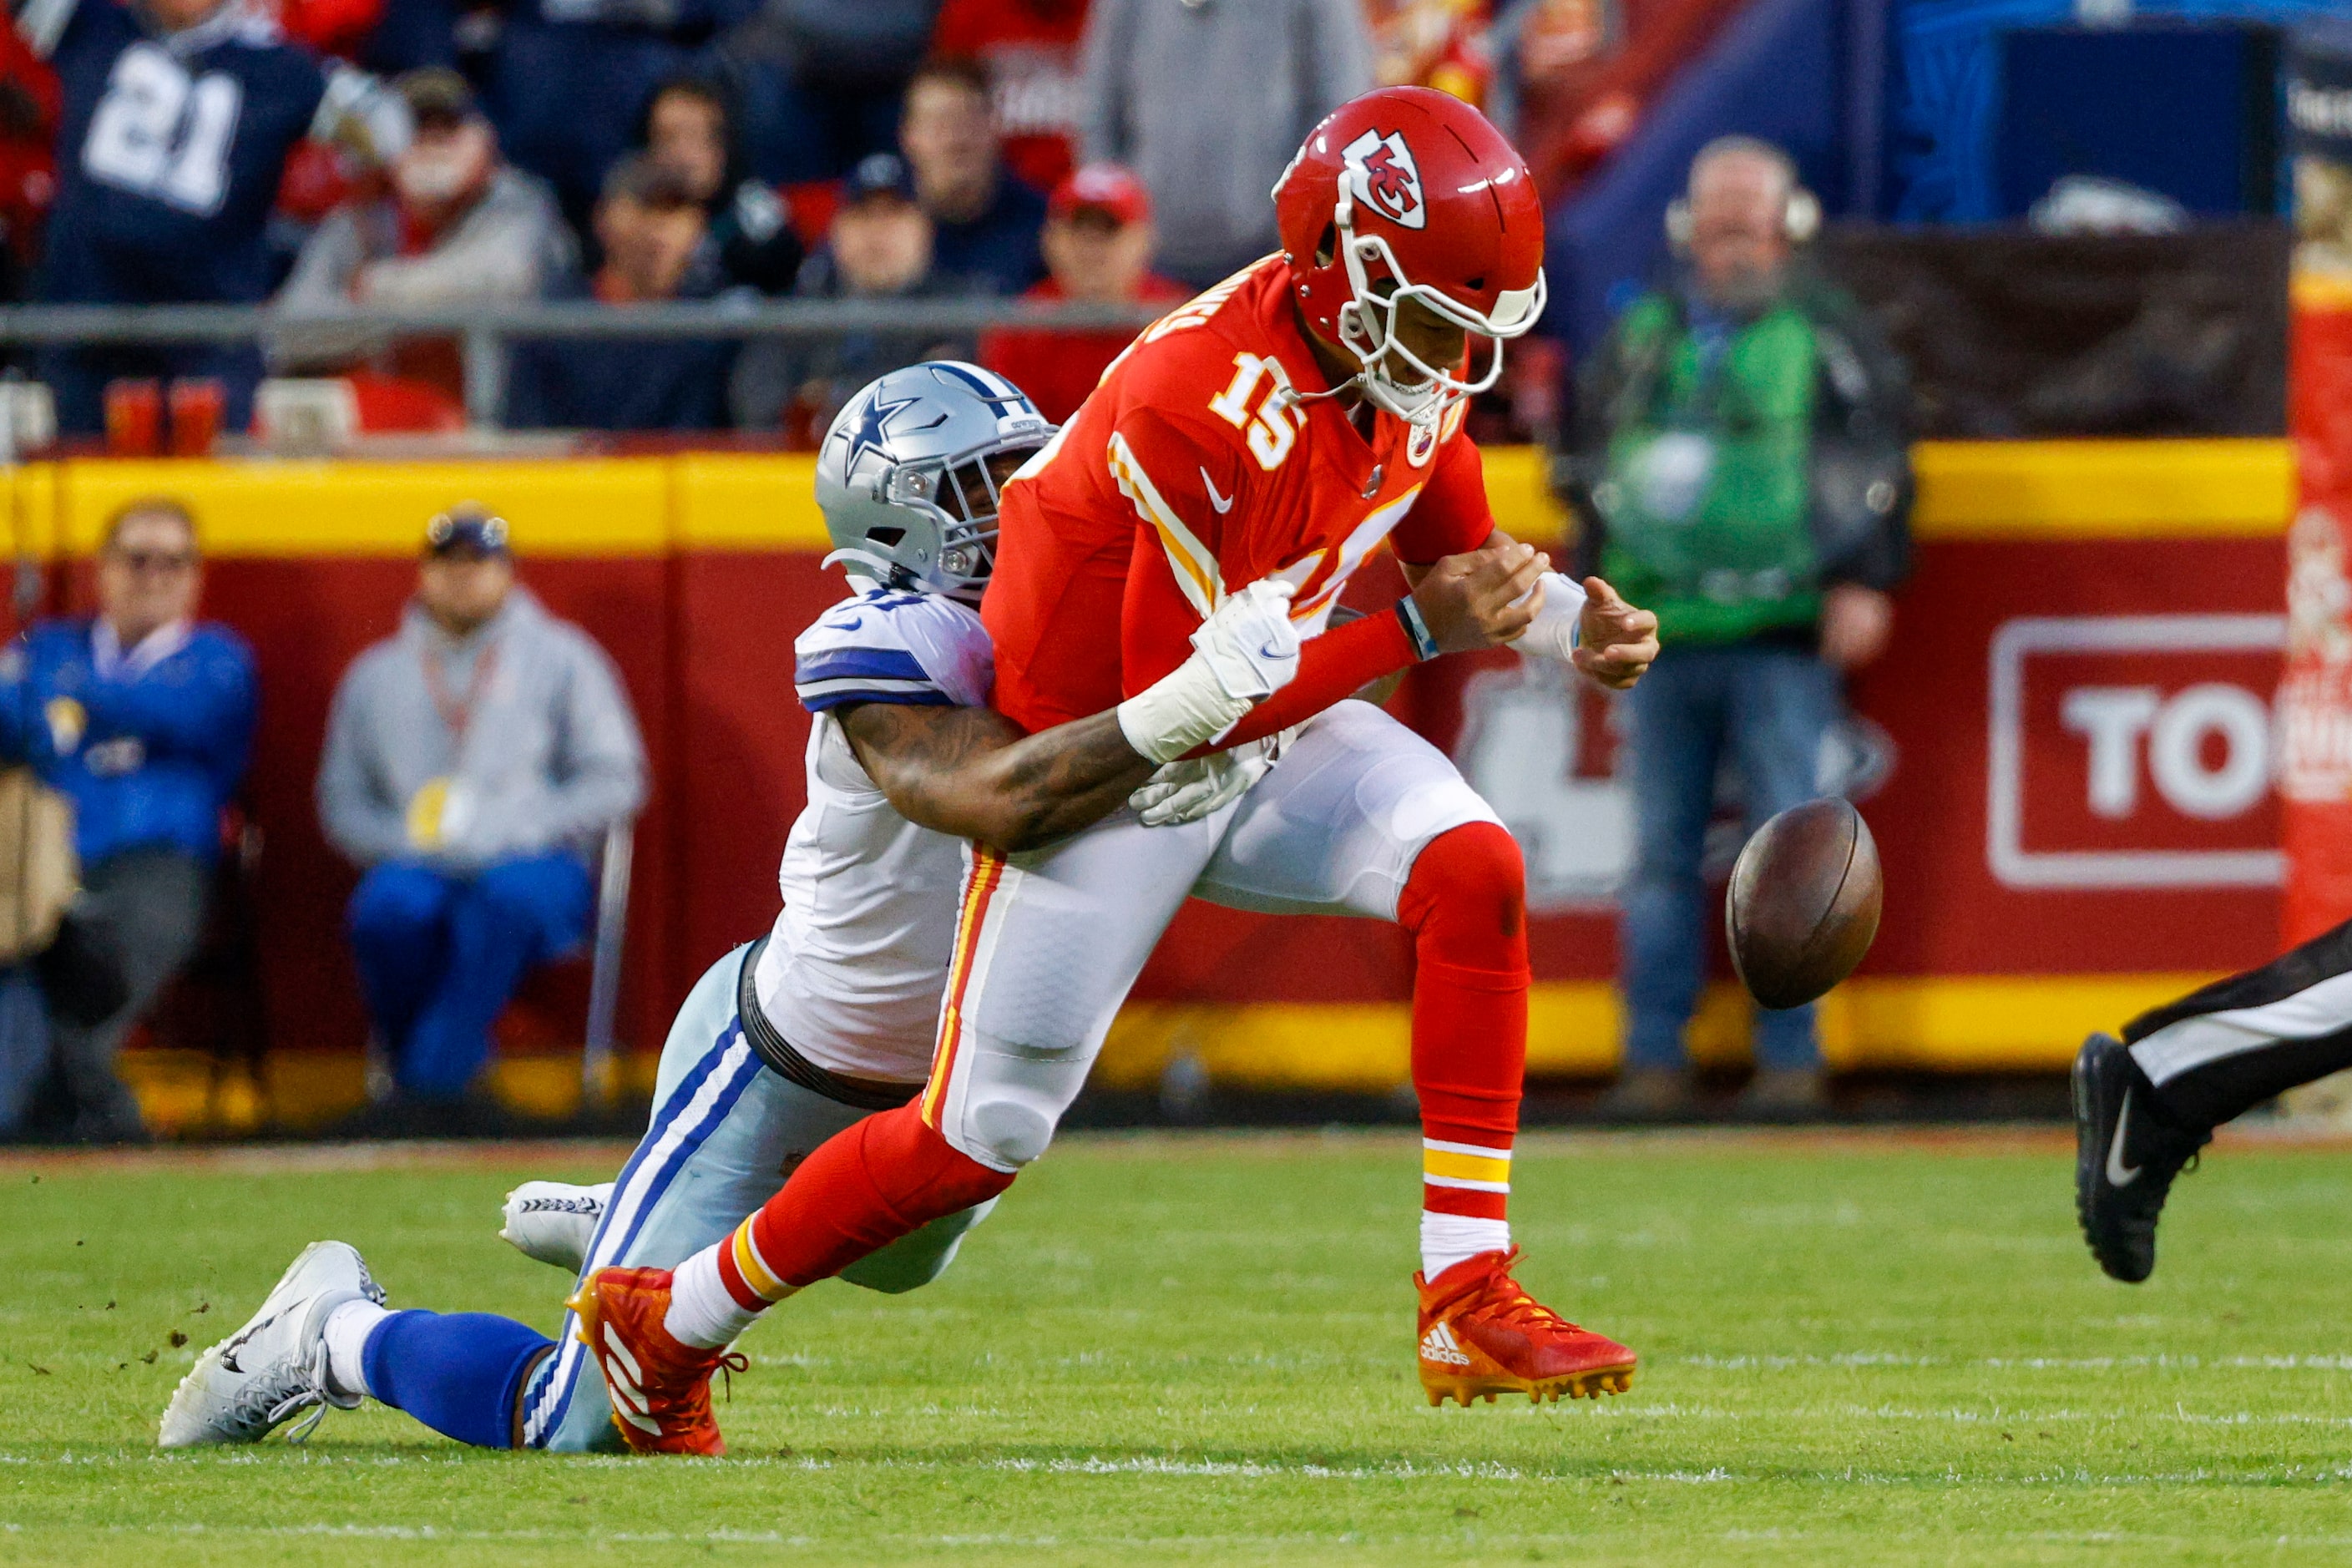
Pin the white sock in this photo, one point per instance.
(1447, 1238)
(347, 1330)
(702, 1311)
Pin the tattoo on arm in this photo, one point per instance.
(971, 772)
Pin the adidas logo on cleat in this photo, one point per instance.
(1440, 1345)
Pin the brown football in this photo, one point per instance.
(1803, 903)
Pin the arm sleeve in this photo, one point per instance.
(354, 815)
(1451, 515)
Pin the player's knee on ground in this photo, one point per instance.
(913, 1261)
(1470, 885)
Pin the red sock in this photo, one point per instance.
(862, 1188)
(1465, 904)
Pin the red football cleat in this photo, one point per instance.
(1481, 1334)
(660, 1389)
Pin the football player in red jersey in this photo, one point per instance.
(1283, 425)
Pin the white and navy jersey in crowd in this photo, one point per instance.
(171, 147)
(852, 972)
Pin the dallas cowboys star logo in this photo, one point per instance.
(871, 432)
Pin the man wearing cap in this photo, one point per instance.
(879, 248)
(458, 224)
(1097, 244)
(472, 761)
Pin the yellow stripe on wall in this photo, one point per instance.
(637, 506)
(573, 506)
(2105, 490)
(742, 502)
(1948, 1023)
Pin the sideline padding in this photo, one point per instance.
(577, 507)
(737, 502)
(720, 502)
(2103, 489)
(1991, 1023)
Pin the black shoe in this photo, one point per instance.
(2126, 1152)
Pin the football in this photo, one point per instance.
(1803, 903)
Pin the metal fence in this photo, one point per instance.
(481, 334)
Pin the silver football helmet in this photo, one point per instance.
(904, 478)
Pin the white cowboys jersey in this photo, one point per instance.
(853, 973)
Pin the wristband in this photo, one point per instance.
(1416, 630)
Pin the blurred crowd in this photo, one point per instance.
(328, 153)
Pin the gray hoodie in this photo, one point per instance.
(550, 754)
(1207, 102)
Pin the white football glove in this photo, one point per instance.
(1553, 633)
(1194, 787)
(1244, 653)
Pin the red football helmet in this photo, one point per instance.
(1409, 194)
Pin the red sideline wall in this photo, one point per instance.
(2142, 575)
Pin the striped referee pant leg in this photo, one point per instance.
(2218, 1052)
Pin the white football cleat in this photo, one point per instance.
(275, 1367)
(554, 1221)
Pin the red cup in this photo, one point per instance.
(196, 402)
(134, 417)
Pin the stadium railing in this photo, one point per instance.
(482, 333)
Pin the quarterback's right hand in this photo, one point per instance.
(1481, 598)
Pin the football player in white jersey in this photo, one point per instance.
(830, 1016)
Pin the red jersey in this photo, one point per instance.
(1190, 472)
(1058, 369)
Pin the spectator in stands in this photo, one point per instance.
(879, 248)
(142, 718)
(571, 78)
(690, 129)
(179, 118)
(473, 762)
(1030, 49)
(1207, 103)
(821, 80)
(1098, 242)
(456, 227)
(1739, 463)
(653, 233)
(984, 221)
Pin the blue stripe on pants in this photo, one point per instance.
(699, 1106)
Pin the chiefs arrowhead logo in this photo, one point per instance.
(1383, 176)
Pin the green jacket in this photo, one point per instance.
(1724, 484)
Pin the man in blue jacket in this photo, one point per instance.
(142, 717)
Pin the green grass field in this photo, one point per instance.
(1854, 1349)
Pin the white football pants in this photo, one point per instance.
(1048, 942)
